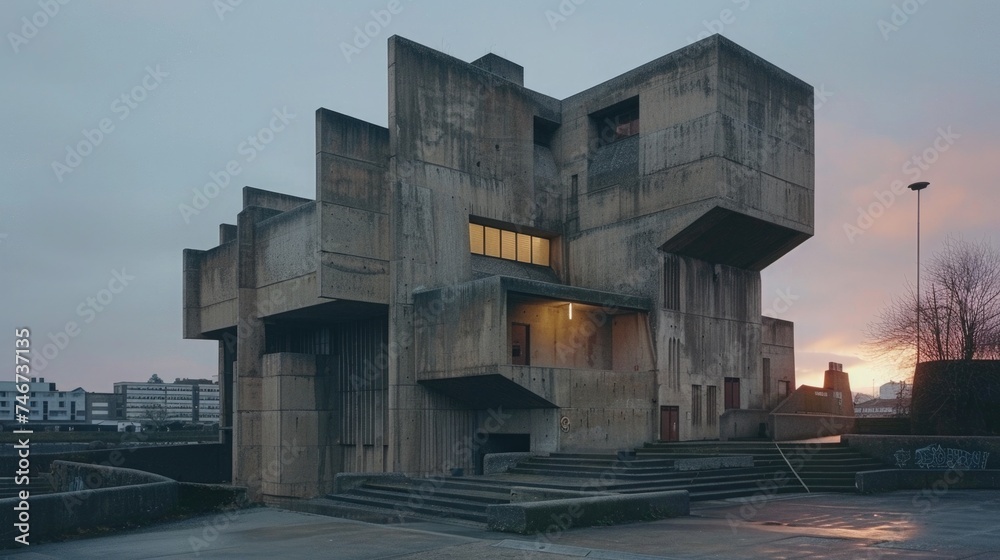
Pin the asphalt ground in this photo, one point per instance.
(906, 524)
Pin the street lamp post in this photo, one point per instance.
(918, 187)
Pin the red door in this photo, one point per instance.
(669, 417)
(732, 396)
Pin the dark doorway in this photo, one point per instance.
(520, 344)
(732, 392)
(502, 443)
(669, 418)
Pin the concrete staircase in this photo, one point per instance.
(821, 467)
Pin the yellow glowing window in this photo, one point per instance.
(540, 251)
(510, 245)
(477, 239)
(524, 248)
(492, 242)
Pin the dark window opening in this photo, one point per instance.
(767, 377)
(520, 344)
(618, 122)
(671, 283)
(696, 405)
(713, 405)
(544, 131)
(732, 396)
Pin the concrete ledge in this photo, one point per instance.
(208, 497)
(609, 509)
(97, 496)
(707, 463)
(347, 481)
(521, 494)
(495, 463)
(888, 480)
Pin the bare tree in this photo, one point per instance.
(959, 309)
(156, 416)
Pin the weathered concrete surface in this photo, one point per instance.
(88, 496)
(911, 452)
(658, 195)
(494, 463)
(936, 481)
(791, 427)
(545, 516)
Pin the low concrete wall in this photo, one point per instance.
(790, 427)
(740, 423)
(196, 462)
(90, 496)
(932, 452)
(938, 481)
(347, 481)
(548, 516)
(494, 463)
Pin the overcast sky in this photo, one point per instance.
(113, 112)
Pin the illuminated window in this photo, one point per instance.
(510, 245)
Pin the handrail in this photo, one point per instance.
(792, 468)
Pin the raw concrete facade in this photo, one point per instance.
(499, 270)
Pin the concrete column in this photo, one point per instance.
(247, 401)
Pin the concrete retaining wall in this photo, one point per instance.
(935, 452)
(196, 462)
(97, 496)
(790, 427)
(937, 481)
(554, 515)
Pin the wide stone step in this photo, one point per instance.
(398, 503)
(479, 496)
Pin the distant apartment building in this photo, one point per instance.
(185, 400)
(46, 404)
(893, 401)
(103, 407)
(895, 389)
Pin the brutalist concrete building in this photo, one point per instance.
(500, 270)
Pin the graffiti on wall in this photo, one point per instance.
(937, 457)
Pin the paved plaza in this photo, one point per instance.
(910, 524)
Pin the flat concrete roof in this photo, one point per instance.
(909, 524)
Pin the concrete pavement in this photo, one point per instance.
(911, 524)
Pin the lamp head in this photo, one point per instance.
(919, 186)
